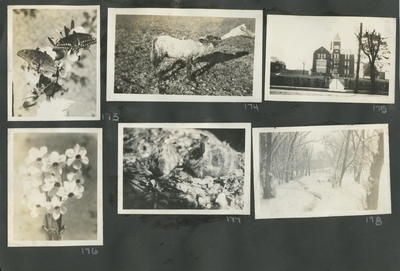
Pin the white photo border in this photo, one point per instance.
(247, 175)
(11, 55)
(257, 65)
(62, 243)
(386, 209)
(331, 97)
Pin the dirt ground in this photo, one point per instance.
(228, 71)
(158, 174)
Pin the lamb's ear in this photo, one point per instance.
(204, 39)
(210, 39)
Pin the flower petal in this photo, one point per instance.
(34, 213)
(63, 209)
(62, 158)
(70, 153)
(78, 196)
(54, 156)
(42, 151)
(77, 148)
(77, 164)
(70, 176)
(47, 186)
(82, 151)
(70, 161)
(56, 215)
(85, 160)
(34, 152)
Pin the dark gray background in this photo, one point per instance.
(137, 242)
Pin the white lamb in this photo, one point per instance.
(187, 50)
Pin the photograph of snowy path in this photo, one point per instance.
(321, 171)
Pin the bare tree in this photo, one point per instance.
(375, 48)
(375, 173)
(284, 156)
(359, 38)
(270, 150)
(266, 175)
(358, 142)
(337, 147)
(289, 163)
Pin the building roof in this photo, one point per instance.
(274, 59)
(337, 37)
(321, 50)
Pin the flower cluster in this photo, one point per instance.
(49, 180)
(46, 65)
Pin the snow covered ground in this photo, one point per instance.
(310, 196)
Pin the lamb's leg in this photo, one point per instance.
(189, 68)
(155, 57)
(156, 62)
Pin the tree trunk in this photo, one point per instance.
(358, 60)
(360, 164)
(289, 164)
(346, 150)
(374, 90)
(266, 176)
(374, 175)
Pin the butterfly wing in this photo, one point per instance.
(75, 41)
(40, 61)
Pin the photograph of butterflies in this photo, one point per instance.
(54, 63)
(184, 170)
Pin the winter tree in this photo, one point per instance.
(375, 47)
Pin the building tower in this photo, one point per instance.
(335, 49)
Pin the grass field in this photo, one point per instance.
(228, 71)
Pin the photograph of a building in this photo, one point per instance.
(330, 59)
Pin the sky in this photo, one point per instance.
(293, 39)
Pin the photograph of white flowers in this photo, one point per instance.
(54, 186)
(53, 63)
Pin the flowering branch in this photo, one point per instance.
(46, 65)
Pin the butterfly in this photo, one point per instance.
(40, 61)
(74, 42)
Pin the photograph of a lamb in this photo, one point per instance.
(190, 168)
(321, 171)
(184, 55)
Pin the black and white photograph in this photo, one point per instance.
(53, 63)
(186, 55)
(55, 187)
(184, 168)
(330, 59)
(321, 171)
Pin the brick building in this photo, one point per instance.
(336, 62)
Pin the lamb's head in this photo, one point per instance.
(210, 39)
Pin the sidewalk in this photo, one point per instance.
(310, 89)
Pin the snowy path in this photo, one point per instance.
(311, 195)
